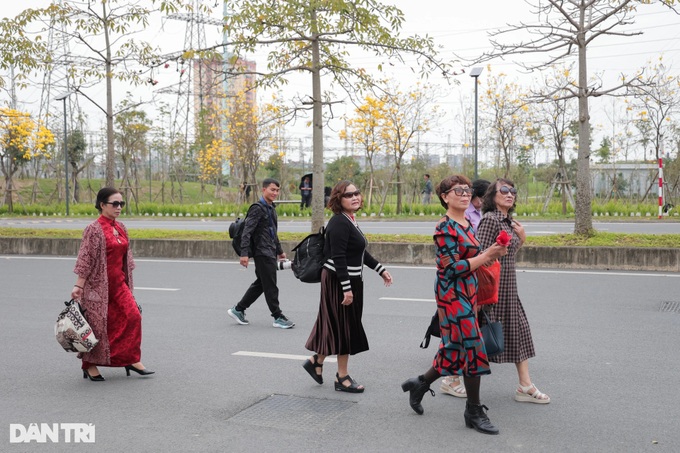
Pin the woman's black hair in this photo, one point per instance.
(489, 200)
(103, 195)
(479, 187)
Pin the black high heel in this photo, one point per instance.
(311, 367)
(144, 372)
(86, 375)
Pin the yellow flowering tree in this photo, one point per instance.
(556, 114)
(21, 139)
(657, 101)
(365, 131)
(406, 116)
(564, 30)
(320, 38)
(250, 131)
(507, 119)
(131, 129)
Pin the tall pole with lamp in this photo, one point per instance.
(63, 97)
(475, 74)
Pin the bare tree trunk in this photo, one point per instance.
(399, 186)
(583, 212)
(317, 132)
(110, 149)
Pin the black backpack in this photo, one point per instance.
(236, 231)
(309, 257)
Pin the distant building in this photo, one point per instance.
(628, 179)
(210, 84)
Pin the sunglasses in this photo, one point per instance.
(460, 191)
(349, 195)
(506, 190)
(115, 204)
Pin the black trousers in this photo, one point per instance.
(265, 271)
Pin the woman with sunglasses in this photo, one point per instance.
(104, 288)
(338, 329)
(461, 349)
(498, 206)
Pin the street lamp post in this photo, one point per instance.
(63, 97)
(475, 74)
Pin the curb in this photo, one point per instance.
(604, 258)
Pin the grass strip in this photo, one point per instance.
(555, 240)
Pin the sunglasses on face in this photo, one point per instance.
(506, 190)
(460, 191)
(349, 195)
(115, 204)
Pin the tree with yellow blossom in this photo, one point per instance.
(506, 119)
(657, 102)
(21, 139)
(566, 30)
(250, 132)
(365, 131)
(407, 115)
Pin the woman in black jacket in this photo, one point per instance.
(338, 329)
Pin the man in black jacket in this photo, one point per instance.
(261, 224)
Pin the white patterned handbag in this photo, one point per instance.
(73, 332)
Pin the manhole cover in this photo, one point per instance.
(292, 412)
(667, 305)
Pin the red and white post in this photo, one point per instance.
(660, 187)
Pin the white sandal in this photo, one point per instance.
(450, 387)
(525, 395)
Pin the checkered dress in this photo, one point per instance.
(509, 311)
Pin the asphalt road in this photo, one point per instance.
(533, 228)
(607, 355)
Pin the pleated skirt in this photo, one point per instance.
(338, 329)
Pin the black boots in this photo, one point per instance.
(417, 386)
(476, 418)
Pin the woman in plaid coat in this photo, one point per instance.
(498, 205)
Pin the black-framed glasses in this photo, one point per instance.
(460, 191)
(349, 195)
(506, 190)
(116, 204)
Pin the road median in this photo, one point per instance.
(604, 258)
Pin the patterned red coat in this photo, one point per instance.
(91, 265)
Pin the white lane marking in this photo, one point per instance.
(273, 355)
(406, 299)
(155, 289)
(617, 274)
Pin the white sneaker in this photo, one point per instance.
(283, 323)
(238, 316)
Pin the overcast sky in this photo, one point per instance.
(459, 27)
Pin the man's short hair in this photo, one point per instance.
(427, 174)
(267, 181)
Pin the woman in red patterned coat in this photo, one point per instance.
(104, 288)
(461, 350)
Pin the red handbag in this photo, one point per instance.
(488, 283)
